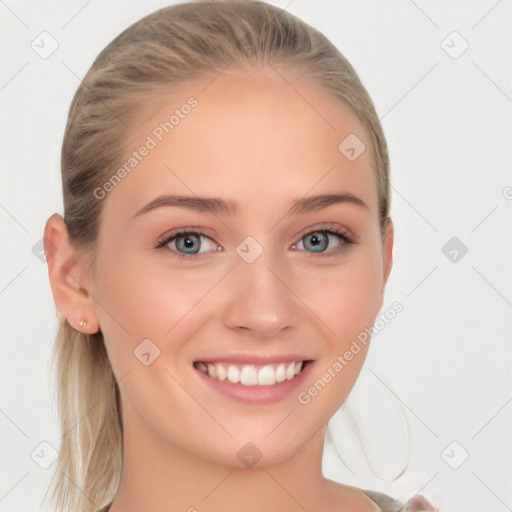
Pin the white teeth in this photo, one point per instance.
(202, 367)
(290, 371)
(248, 375)
(267, 376)
(233, 373)
(281, 373)
(221, 372)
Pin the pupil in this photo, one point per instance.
(187, 242)
(318, 242)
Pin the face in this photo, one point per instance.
(263, 275)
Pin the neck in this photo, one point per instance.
(159, 476)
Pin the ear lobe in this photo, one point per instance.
(67, 273)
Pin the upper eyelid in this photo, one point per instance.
(167, 238)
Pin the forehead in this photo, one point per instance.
(255, 134)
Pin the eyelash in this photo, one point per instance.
(341, 233)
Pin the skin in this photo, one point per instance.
(254, 140)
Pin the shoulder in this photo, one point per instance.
(349, 496)
(418, 503)
(362, 500)
(386, 503)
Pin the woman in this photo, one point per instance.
(226, 236)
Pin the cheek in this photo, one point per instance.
(347, 302)
(140, 300)
(347, 298)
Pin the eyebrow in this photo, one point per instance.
(219, 206)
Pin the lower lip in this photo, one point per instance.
(257, 394)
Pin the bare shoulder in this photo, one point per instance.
(349, 496)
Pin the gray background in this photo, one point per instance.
(447, 118)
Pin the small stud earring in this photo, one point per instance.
(82, 323)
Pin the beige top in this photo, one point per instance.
(386, 503)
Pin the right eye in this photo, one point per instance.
(186, 243)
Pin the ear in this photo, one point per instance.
(387, 255)
(68, 275)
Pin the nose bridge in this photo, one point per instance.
(258, 298)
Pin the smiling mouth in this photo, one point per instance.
(250, 374)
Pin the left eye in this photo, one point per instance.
(318, 241)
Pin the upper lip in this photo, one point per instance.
(254, 359)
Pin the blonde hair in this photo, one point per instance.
(168, 48)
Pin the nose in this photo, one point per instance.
(259, 299)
